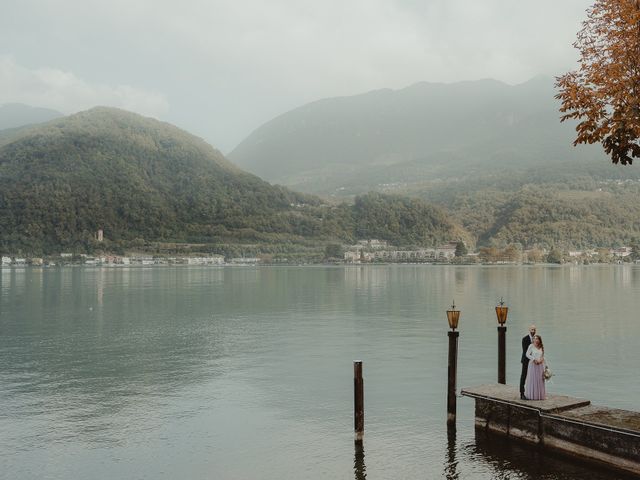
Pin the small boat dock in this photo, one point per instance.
(571, 426)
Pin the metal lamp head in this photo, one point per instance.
(453, 316)
(501, 313)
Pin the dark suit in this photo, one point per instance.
(526, 341)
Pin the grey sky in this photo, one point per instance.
(221, 68)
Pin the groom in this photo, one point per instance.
(526, 341)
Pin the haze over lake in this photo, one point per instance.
(247, 372)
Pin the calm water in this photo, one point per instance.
(246, 373)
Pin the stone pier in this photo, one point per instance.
(571, 426)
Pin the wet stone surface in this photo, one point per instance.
(511, 395)
(604, 416)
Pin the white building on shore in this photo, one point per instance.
(211, 260)
(245, 260)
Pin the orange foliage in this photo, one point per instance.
(604, 93)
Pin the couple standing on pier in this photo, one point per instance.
(533, 367)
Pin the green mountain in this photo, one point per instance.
(430, 129)
(141, 181)
(494, 156)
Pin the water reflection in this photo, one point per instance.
(461, 278)
(359, 467)
(84, 349)
(511, 459)
(451, 465)
(116, 358)
(625, 273)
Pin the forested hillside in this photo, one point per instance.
(570, 207)
(140, 181)
(403, 221)
(430, 128)
(494, 156)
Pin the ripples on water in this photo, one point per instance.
(246, 372)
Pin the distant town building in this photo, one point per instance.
(446, 251)
(100, 235)
(352, 256)
(378, 250)
(37, 262)
(424, 254)
(142, 260)
(621, 252)
(245, 260)
(6, 260)
(211, 260)
(372, 244)
(358, 256)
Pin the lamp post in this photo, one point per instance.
(501, 313)
(453, 316)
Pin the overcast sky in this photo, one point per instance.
(221, 68)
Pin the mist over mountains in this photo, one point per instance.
(495, 156)
(430, 130)
(14, 115)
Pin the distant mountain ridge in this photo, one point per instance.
(132, 176)
(141, 180)
(465, 121)
(14, 115)
(495, 156)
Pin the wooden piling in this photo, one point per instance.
(359, 467)
(358, 400)
(453, 366)
(451, 463)
(502, 355)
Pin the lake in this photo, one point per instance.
(247, 372)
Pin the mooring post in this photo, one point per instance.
(359, 467)
(358, 400)
(502, 355)
(450, 468)
(453, 366)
